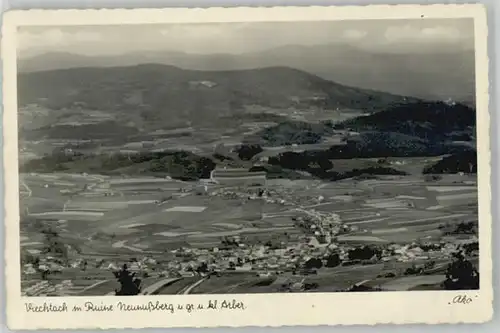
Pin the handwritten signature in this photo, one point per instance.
(461, 299)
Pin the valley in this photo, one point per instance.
(255, 181)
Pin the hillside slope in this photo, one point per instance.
(167, 91)
(429, 120)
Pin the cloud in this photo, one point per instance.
(243, 37)
(354, 34)
(56, 37)
(412, 33)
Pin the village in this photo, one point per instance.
(317, 242)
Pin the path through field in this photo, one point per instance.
(190, 288)
(158, 285)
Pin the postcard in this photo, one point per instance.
(229, 167)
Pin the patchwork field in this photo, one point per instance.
(120, 218)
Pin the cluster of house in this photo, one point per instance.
(261, 259)
(44, 287)
(279, 196)
(44, 264)
(324, 226)
(303, 258)
(266, 260)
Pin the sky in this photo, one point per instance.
(418, 35)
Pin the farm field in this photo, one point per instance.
(116, 219)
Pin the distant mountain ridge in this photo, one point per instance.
(445, 73)
(164, 92)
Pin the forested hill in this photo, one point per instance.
(427, 120)
(171, 91)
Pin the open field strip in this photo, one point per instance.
(227, 225)
(239, 231)
(437, 207)
(368, 221)
(155, 287)
(141, 180)
(451, 188)
(61, 215)
(379, 200)
(360, 238)
(229, 289)
(430, 219)
(105, 205)
(132, 225)
(347, 220)
(31, 243)
(69, 214)
(177, 287)
(394, 180)
(178, 234)
(136, 219)
(388, 231)
(352, 210)
(187, 209)
(387, 204)
(144, 188)
(64, 184)
(395, 185)
(48, 176)
(407, 282)
(277, 215)
(457, 196)
(91, 206)
(410, 197)
(342, 198)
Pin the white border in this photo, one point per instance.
(429, 307)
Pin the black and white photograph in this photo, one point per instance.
(236, 158)
(248, 158)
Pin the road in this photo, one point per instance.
(190, 288)
(158, 285)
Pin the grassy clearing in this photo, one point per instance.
(341, 278)
(409, 282)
